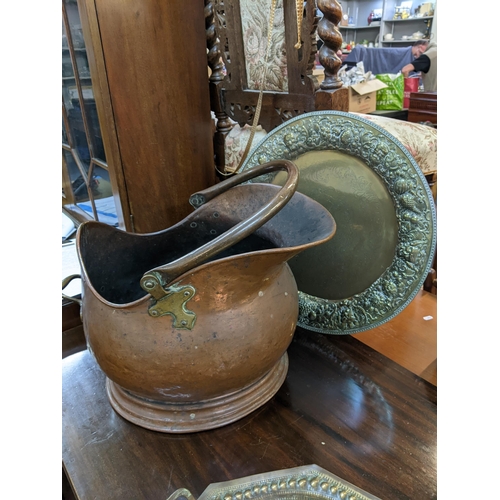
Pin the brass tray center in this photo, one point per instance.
(367, 229)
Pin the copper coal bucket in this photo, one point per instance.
(191, 324)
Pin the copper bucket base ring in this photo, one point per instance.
(199, 416)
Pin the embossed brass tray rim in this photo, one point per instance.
(304, 482)
(337, 308)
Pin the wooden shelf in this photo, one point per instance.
(65, 78)
(409, 40)
(76, 49)
(398, 27)
(359, 27)
(407, 20)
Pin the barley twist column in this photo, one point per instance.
(216, 82)
(331, 94)
(332, 42)
(214, 54)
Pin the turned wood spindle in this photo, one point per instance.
(332, 42)
(216, 80)
(214, 55)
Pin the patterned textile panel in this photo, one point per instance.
(255, 15)
(236, 142)
(419, 140)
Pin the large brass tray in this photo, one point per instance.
(308, 482)
(386, 221)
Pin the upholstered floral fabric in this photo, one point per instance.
(255, 15)
(236, 142)
(419, 140)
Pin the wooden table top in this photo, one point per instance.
(343, 406)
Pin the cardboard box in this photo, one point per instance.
(426, 9)
(319, 73)
(363, 96)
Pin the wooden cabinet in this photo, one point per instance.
(423, 107)
(86, 173)
(147, 82)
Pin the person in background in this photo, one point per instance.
(426, 63)
(418, 48)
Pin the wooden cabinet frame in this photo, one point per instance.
(149, 77)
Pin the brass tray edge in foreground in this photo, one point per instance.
(301, 483)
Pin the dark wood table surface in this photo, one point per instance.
(343, 406)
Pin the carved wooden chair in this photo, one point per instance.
(242, 40)
(238, 34)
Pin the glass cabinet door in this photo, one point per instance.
(86, 187)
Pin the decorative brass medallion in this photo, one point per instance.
(386, 223)
(308, 482)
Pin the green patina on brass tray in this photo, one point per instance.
(386, 221)
(308, 482)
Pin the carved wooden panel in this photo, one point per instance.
(238, 29)
(238, 100)
(276, 108)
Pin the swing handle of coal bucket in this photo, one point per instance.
(163, 275)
